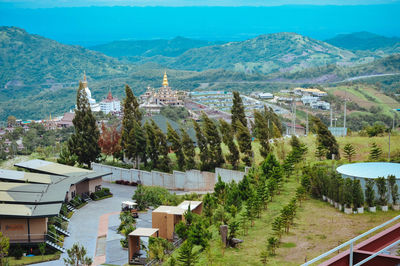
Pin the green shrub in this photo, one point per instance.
(155, 196)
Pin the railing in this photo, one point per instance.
(26, 238)
(351, 244)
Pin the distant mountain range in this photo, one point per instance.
(39, 76)
(366, 41)
(149, 48)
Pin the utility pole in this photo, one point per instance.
(331, 114)
(307, 124)
(344, 119)
(294, 117)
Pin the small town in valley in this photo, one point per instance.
(268, 135)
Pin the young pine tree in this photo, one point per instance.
(349, 151)
(228, 138)
(188, 150)
(237, 111)
(375, 152)
(244, 139)
(186, 254)
(84, 142)
(176, 146)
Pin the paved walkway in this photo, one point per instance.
(85, 226)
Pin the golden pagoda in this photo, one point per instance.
(165, 80)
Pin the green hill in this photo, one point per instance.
(135, 49)
(269, 53)
(366, 41)
(28, 59)
(384, 68)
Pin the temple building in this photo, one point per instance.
(110, 104)
(153, 100)
(95, 107)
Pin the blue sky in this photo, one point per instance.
(81, 3)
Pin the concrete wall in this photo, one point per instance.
(192, 180)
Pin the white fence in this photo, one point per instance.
(192, 180)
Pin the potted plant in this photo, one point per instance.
(341, 192)
(335, 193)
(358, 196)
(382, 191)
(394, 192)
(370, 195)
(348, 195)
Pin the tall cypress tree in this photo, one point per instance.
(151, 144)
(274, 122)
(176, 145)
(326, 139)
(244, 139)
(238, 111)
(262, 133)
(203, 147)
(131, 114)
(136, 144)
(213, 138)
(84, 142)
(164, 162)
(228, 139)
(188, 149)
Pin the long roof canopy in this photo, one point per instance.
(42, 192)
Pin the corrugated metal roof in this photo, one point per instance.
(23, 187)
(21, 210)
(25, 177)
(193, 204)
(170, 209)
(51, 168)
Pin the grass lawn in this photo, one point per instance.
(35, 259)
(318, 228)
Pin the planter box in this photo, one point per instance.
(348, 210)
(396, 207)
(384, 208)
(323, 197)
(360, 210)
(372, 209)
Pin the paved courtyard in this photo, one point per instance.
(84, 227)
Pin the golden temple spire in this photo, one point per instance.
(165, 80)
(84, 79)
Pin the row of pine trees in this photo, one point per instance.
(147, 144)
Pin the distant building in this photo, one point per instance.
(262, 95)
(309, 91)
(66, 120)
(299, 129)
(110, 104)
(338, 131)
(320, 105)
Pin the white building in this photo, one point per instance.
(110, 104)
(95, 107)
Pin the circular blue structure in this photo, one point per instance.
(369, 170)
(364, 171)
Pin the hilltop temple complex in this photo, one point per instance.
(95, 107)
(153, 100)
